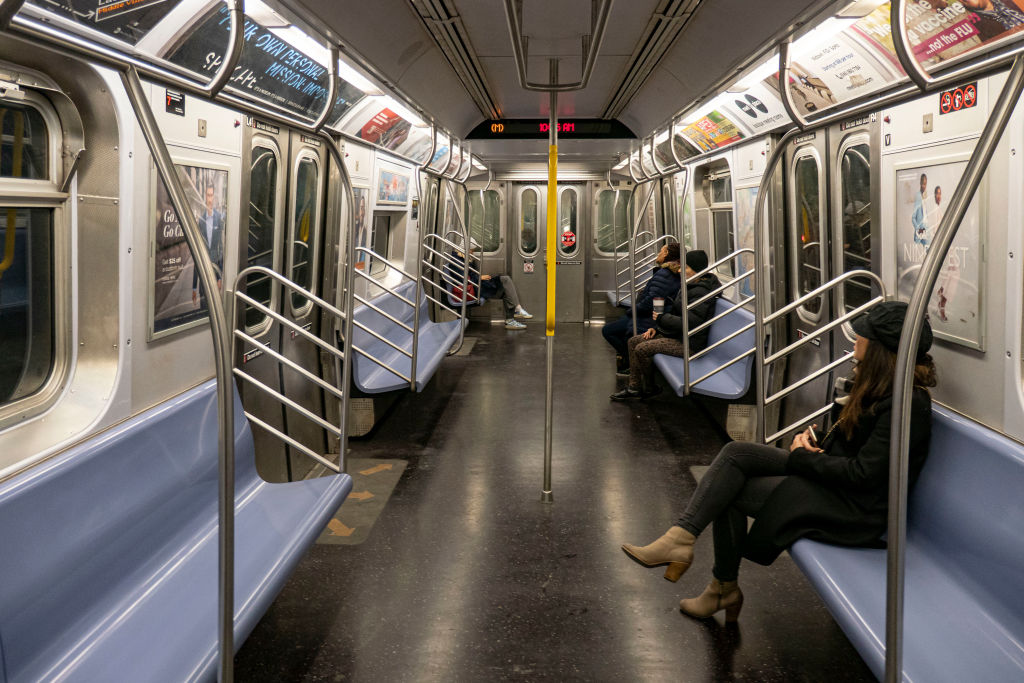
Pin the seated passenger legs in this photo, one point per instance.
(663, 284)
(495, 286)
(666, 335)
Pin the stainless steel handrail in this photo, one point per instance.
(465, 267)
(390, 264)
(785, 62)
(326, 386)
(806, 419)
(369, 304)
(218, 319)
(735, 307)
(817, 292)
(332, 89)
(292, 442)
(906, 355)
(389, 290)
(236, 12)
(632, 249)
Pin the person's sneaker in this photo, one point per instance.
(522, 314)
(626, 394)
(514, 325)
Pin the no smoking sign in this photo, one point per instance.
(568, 239)
(956, 99)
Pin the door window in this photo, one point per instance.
(568, 234)
(25, 143)
(485, 219)
(528, 222)
(855, 180)
(305, 220)
(263, 220)
(612, 221)
(807, 216)
(723, 226)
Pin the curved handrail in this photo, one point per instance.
(632, 251)
(236, 14)
(332, 90)
(672, 142)
(785, 63)
(654, 159)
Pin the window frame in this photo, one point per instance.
(578, 246)
(257, 141)
(801, 153)
(20, 193)
(839, 258)
(501, 217)
(627, 193)
(728, 268)
(519, 217)
(305, 153)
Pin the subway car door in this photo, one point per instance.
(307, 170)
(572, 295)
(807, 241)
(265, 185)
(526, 232)
(854, 207)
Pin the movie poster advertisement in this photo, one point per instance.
(955, 307)
(362, 233)
(746, 202)
(179, 301)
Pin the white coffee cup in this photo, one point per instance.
(659, 305)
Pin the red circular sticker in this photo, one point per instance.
(958, 99)
(568, 239)
(970, 95)
(946, 102)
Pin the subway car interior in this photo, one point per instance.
(356, 341)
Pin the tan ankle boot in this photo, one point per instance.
(717, 596)
(674, 548)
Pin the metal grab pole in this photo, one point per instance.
(632, 251)
(419, 256)
(222, 361)
(547, 495)
(685, 305)
(905, 360)
(760, 291)
(349, 294)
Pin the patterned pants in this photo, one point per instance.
(641, 358)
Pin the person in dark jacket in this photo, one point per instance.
(663, 284)
(666, 335)
(489, 287)
(836, 492)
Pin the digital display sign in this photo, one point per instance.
(538, 129)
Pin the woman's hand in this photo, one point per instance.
(654, 315)
(649, 334)
(803, 440)
(485, 277)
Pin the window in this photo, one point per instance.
(855, 180)
(485, 219)
(305, 220)
(33, 311)
(683, 208)
(612, 221)
(263, 199)
(528, 222)
(807, 217)
(723, 227)
(568, 234)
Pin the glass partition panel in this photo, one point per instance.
(24, 143)
(528, 222)
(485, 219)
(305, 219)
(807, 215)
(855, 180)
(568, 234)
(612, 221)
(263, 219)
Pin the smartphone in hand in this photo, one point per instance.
(812, 436)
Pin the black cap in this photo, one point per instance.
(697, 260)
(884, 324)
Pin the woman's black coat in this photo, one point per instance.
(840, 496)
(671, 324)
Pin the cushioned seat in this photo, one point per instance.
(109, 562)
(613, 299)
(964, 603)
(731, 382)
(435, 339)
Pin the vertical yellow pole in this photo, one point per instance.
(552, 266)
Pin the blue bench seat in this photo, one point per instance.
(613, 299)
(964, 581)
(110, 550)
(435, 339)
(730, 383)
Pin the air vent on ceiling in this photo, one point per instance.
(445, 26)
(664, 27)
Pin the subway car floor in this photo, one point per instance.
(466, 575)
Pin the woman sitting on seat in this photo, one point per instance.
(666, 335)
(836, 493)
(489, 286)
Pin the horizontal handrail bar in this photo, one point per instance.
(823, 330)
(293, 443)
(793, 425)
(445, 306)
(721, 288)
(782, 393)
(725, 259)
(326, 386)
(721, 315)
(381, 363)
(723, 340)
(814, 294)
(389, 264)
(448, 258)
(287, 401)
(294, 327)
(447, 277)
(298, 289)
(721, 367)
(384, 313)
(387, 289)
(382, 338)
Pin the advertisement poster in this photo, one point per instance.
(809, 93)
(746, 200)
(178, 299)
(843, 69)
(392, 188)
(712, 131)
(955, 307)
(125, 20)
(385, 128)
(362, 196)
(759, 108)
